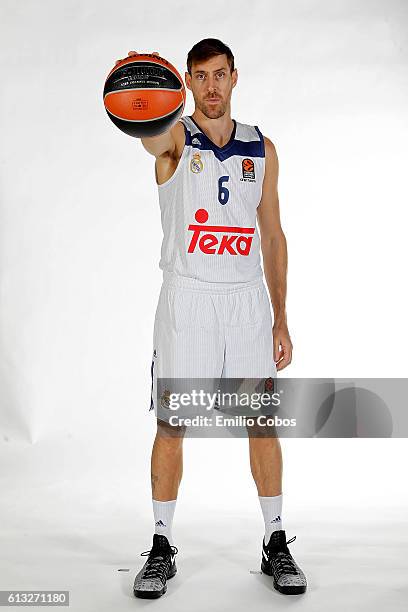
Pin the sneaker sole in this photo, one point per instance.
(286, 590)
(153, 594)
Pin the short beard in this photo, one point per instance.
(212, 113)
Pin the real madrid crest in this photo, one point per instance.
(165, 399)
(196, 165)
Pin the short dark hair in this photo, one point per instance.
(206, 49)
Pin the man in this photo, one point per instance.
(213, 317)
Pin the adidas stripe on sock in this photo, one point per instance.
(163, 512)
(272, 513)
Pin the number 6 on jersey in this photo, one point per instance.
(223, 193)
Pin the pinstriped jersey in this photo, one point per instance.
(208, 207)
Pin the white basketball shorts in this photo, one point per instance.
(202, 330)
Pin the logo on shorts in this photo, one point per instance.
(248, 169)
(269, 385)
(219, 239)
(196, 165)
(165, 399)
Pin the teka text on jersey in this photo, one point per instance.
(219, 239)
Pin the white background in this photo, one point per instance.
(80, 241)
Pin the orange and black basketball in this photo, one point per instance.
(144, 95)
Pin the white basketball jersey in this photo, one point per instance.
(208, 207)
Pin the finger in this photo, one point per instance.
(282, 356)
(287, 352)
(282, 363)
(130, 54)
(279, 356)
(286, 358)
(276, 351)
(155, 53)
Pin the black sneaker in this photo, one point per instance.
(150, 582)
(277, 561)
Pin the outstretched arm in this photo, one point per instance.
(164, 144)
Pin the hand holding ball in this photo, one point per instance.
(144, 95)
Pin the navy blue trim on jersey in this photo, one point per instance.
(151, 393)
(187, 134)
(211, 143)
(261, 138)
(253, 148)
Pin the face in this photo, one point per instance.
(211, 83)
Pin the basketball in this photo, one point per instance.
(144, 95)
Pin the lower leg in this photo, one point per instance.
(266, 468)
(166, 474)
(266, 464)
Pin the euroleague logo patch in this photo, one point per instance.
(248, 170)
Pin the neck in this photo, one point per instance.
(218, 130)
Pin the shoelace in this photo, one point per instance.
(283, 562)
(157, 563)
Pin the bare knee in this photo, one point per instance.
(170, 435)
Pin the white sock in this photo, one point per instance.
(272, 513)
(163, 512)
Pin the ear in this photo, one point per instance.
(187, 78)
(234, 77)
